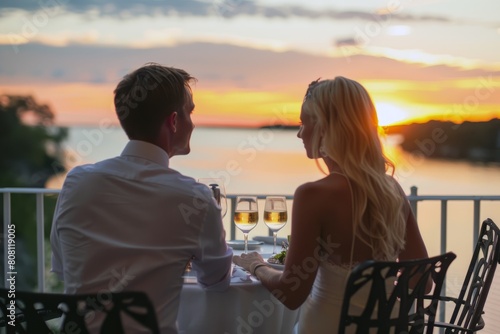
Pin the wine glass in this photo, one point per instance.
(246, 215)
(275, 215)
(218, 191)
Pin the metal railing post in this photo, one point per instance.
(231, 218)
(6, 223)
(40, 242)
(413, 202)
(475, 228)
(444, 218)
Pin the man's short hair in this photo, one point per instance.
(145, 97)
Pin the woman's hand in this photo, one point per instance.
(248, 261)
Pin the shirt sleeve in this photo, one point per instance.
(213, 266)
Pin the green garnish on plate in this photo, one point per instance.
(280, 257)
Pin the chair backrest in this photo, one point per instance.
(34, 310)
(392, 296)
(477, 282)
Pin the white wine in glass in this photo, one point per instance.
(275, 215)
(218, 191)
(246, 215)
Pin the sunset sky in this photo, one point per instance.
(420, 60)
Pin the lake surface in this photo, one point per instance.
(273, 161)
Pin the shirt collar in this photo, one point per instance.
(145, 150)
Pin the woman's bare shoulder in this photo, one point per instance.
(331, 185)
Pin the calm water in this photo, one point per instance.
(265, 161)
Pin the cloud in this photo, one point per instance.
(116, 8)
(79, 79)
(224, 8)
(342, 42)
(215, 65)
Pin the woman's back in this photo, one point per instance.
(334, 201)
(342, 250)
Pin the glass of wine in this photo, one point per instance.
(275, 215)
(219, 192)
(246, 215)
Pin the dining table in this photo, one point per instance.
(245, 307)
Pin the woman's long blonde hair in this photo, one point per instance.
(347, 132)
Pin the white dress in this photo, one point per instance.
(320, 312)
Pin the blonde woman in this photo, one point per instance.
(356, 212)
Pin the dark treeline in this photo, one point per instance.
(471, 141)
(32, 153)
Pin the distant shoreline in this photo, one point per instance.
(281, 127)
(469, 141)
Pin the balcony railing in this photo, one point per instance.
(40, 221)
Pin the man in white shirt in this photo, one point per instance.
(131, 222)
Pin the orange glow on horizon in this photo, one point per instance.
(72, 103)
(459, 100)
(90, 104)
(252, 108)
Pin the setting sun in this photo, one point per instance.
(389, 113)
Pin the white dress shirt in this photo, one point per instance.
(132, 223)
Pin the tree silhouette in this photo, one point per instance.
(29, 143)
(31, 153)
(469, 141)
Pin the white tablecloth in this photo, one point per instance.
(246, 307)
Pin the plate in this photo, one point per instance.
(275, 265)
(270, 240)
(240, 244)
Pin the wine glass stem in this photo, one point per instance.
(245, 236)
(275, 235)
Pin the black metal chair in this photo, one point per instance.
(402, 310)
(469, 305)
(34, 310)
